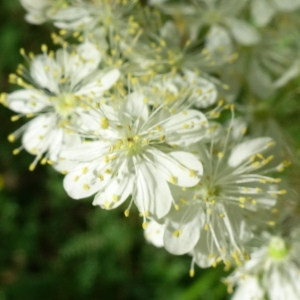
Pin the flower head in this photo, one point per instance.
(137, 151)
(57, 90)
(272, 272)
(212, 222)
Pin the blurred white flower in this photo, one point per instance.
(273, 271)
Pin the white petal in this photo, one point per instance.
(183, 230)
(179, 168)
(83, 181)
(245, 150)
(219, 43)
(243, 32)
(86, 152)
(136, 107)
(259, 80)
(46, 73)
(262, 11)
(78, 65)
(287, 5)
(154, 233)
(38, 135)
(153, 194)
(290, 74)
(249, 289)
(99, 84)
(116, 191)
(27, 101)
(185, 128)
(204, 92)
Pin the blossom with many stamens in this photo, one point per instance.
(57, 91)
(202, 92)
(138, 151)
(211, 222)
(272, 273)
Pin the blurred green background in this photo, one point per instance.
(52, 247)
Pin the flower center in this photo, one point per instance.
(208, 193)
(64, 104)
(277, 248)
(134, 145)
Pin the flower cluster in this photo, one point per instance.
(138, 106)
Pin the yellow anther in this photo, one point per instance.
(220, 155)
(44, 48)
(85, 170)
(177, 233)
(176, 206)
(44, 161)
(192, 273)
(115, 198)
(182, 200)
(11, 138)
(242, 199)
(86, 187)
(206, 227)
(222, 216)
(126, 213)
(173, 179)
(271, 223)
(145, 225)
(63, 32)
(282, 192)
(22, 51)
(16, 151)
(76, 178)
(106, 204)
(220, 103)
(192, 173)
(15, 118)
(101, 177)
(31, 167)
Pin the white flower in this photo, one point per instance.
(273, 271)
(211, 221)
(134, 155)
(59, 91)
(201, 92)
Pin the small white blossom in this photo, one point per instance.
(57, 94)
(134, 155)
(210, 223)
(273, 271)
